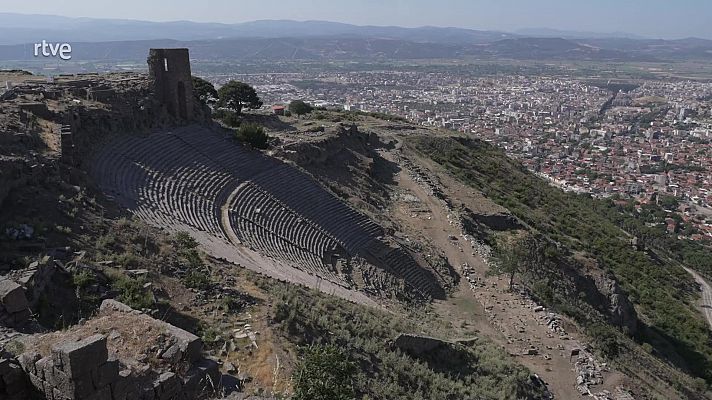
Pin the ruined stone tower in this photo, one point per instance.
(172, 82)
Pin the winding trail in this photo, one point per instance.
(706, 294)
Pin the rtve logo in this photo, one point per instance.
(61, 50)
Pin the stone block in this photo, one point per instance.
(417, 344)
(20, 317)
(42, 366)
(173, 354)
(28, 360)
(167, 386)
(12, 296)
(15, 379)
(36, 382)
(4, 366)
(51, 392)
(124, 388)
(106, 374)
(71, 387)
(110, 305)
(202, 375)
(80, 358)
(190, 345)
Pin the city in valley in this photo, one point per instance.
(641, 141)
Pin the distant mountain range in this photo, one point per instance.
(108, 39)
(558, 33)
(22, 28)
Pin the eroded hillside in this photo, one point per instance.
(466, 201)
(78, 234)
(362, 240)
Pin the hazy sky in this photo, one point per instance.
(657, 18)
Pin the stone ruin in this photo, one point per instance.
(121, 354)
(172, 81)
(66, 144)
(14, 307)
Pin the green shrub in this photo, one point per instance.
(605, 339)
(315, 320)
(83, 279)
(184, 241)
(209, 334)
(324, 373)
(191, 258)
(197, 280)
(228, 304)
(254, 135)
(299, 107)
(231, 118)
(132, 292)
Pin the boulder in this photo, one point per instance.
(13, 297)
(110, 305)
(416, 344)
(81, 357)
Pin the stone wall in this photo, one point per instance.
(85, 369)
(74, 370)
(169, 70)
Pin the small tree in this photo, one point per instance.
(204, 90)
(238, 95)
(517, 256)
(254, 135)
(325, 373)
(299, 107)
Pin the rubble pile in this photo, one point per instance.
(553, 321)
(588, 373)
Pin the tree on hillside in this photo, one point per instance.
(299, 107)
(517, 256)
(238, 95)
(325, 373)
(204, 90)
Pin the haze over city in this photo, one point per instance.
(650, 18)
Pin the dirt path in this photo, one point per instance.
(516, 323)
(706, 305)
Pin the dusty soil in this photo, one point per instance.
(492, 309)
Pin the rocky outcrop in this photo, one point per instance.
(621, 312)
(494, 221)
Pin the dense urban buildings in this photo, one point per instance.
(649, 141)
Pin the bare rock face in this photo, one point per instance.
(620, 310)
